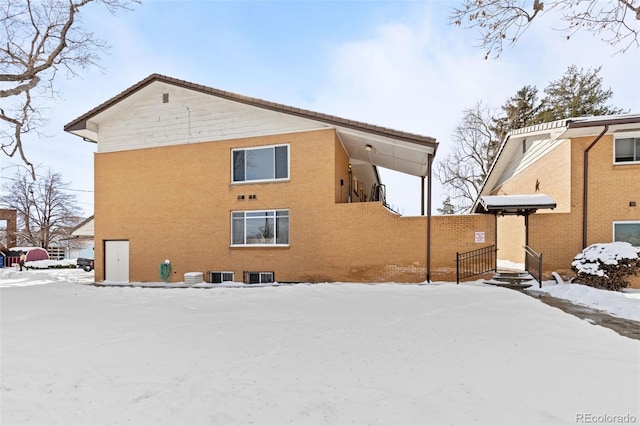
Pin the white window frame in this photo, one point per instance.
(252, 148)
(622, 222)
(275, 231)
(620, 136)
(222, 274)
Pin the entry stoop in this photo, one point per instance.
(512, 279)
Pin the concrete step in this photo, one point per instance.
(516, 279)
(508, 284)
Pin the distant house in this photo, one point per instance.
(582, 177)
(83, 235)
(248, 190)
(84, 230)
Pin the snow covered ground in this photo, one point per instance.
(384, 354)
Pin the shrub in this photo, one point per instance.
(607, 265)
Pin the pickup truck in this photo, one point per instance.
(86, 264)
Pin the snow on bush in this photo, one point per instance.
(50, 264)
(607, 265)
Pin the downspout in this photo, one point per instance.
(430, 161)
(495, 241)
(526, 240)
(585, 185)
(349, 185)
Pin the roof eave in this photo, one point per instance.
(81, 123)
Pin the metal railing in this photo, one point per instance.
(378, 193)
(533, 264)
(475, 262)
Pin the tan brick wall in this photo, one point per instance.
(553, 175)
(558, 238)
(611, 188)
(456, 233)
(557, 234)
(511, 238)
(175, 203)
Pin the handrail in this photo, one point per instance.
(476, 262)
(529, 253)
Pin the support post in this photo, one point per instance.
(430, 161)
(526, 241)
(422, 196)
(495, 241)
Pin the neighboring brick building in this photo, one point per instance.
(589, 166)
(215, 181)
(8, 231)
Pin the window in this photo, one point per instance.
(219, 277)
(260, 164)
(627, 231)
(258, 228)
(627, 150)
(258, 277)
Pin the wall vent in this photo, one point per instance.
(251, 277)
(219, 277)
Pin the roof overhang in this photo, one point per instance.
(407, 157)
(513, 204)
(591, 126)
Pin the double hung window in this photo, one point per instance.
(260, 164)
(265, 227)
(627, 150)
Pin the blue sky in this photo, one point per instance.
(395, 64)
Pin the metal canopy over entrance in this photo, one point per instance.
(522, 205)
(517, 205)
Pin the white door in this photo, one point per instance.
(116, 261)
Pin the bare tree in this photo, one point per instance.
(475, 146)
(46, 213)
(504, 21)
(37, 40)
(447, 207)
(477, 139)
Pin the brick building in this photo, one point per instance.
(589, 166)
(215, 181)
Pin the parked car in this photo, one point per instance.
(86, 264)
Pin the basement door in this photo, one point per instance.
(116, 261)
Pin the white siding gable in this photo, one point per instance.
(521, 157)
(145, 120)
